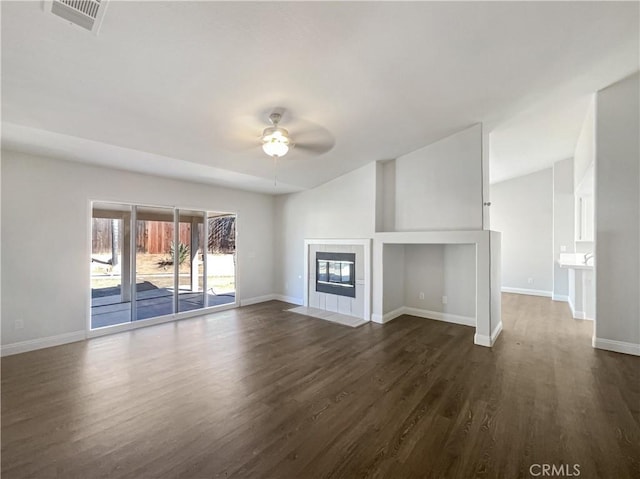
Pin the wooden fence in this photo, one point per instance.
(156, 237)
(101, 235)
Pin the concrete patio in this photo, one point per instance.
(107, 308)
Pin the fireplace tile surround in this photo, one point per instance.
(330, 301)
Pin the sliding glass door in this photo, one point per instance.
(221, 258)
(154, 262)
(110, 264)
(190, 261)
(149, 261)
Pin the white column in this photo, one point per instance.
(486, 189)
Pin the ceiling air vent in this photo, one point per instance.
(87, 14)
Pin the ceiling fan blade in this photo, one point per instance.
(317, 148)
(243, 134)
(312, 138)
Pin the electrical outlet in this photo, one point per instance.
(286, 286)
(421, 295)
(530, 281)
(444, 300)
(18, 324)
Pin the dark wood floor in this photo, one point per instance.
(259, 392)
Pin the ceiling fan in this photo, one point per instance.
(306, 139)
(283, 134)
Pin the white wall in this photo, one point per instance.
(618, 216)
(386, 195)
(585, 152)
(495, 285)
(439, 187)
(583, 180)
(437, 271)
(342, 208)
(46, 236)
(522, 209)
(393, 277)
(563, 223)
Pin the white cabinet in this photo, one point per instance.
(585, 215)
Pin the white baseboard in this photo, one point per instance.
(271, 297)
(577, 314)
(258, 299)
(560, 297)
(447, 317)
(289, 299)
(488, 341)
(616, 346)
(496, 332)
(33, 344)
(391, 315)
(530, 292)
(423, 313)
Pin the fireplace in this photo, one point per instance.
(336, 273)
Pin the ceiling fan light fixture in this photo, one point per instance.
(275, 141)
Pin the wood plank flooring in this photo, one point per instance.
(261, 392)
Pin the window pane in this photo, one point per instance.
(190, 261)
(221, 258)
(110, 265)
(154, 262)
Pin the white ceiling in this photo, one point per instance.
(183, 88)
(536, 138)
